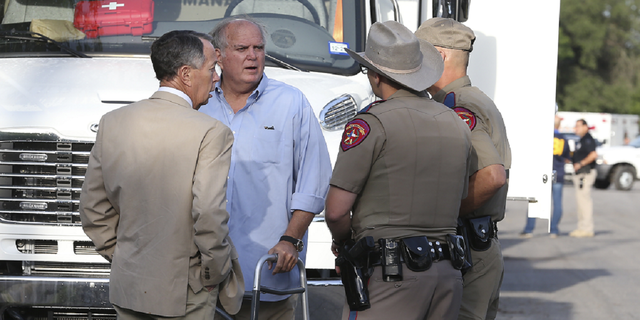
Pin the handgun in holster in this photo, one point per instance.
(353, 260)
(461, 230)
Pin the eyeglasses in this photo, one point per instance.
(364, 69)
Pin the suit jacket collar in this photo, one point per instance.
(163, 95)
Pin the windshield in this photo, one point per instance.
(307, 34)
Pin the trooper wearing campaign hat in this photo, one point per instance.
(489, 171)
(400, 175)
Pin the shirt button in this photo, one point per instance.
(234, 132)
(230, 112)
(227, 177)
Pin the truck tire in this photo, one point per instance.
(602, 184)
(623, 177)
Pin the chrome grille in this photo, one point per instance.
(66, 269)
(37, 246)
(84, 248)
(40, 181)
(63, 313)
(338, 112)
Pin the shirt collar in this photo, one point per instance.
(255, 95)
(455, 84)
(404, 93)
(177, 93)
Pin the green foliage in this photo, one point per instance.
(599, 56)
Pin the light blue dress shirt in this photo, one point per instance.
(279, 163)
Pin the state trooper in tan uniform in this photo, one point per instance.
(402, 170)
(489, 170)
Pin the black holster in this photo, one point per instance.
(457, 249)
(461, 230)
(416, 253)
(353, 260)
(480, 232)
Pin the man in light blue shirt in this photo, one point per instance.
(280, 167)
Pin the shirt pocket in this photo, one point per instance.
(267, 146)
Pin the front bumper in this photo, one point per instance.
(18, 291)
(603, 171)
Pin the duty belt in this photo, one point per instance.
(437, 250)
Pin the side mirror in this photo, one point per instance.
(454, 9)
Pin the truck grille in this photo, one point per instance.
(66, 269)
(40, 181)
(336, 114)
(60, 313)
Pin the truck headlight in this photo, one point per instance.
(338, 112)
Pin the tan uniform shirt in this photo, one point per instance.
(407, 159)
(488, 134)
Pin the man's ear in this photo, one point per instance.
(184, 74)
(376, 78)
(219, 57)
(443, 54)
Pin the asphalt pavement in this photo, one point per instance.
(561, 278)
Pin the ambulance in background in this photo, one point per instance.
(609, 129)
(65, 63)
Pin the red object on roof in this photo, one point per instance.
(106, 18)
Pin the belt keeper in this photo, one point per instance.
(436, 251)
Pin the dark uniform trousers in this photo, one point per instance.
(434, 294)
(482, 284)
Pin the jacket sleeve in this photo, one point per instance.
(209, 212)
(99, 217)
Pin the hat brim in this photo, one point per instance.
(429, 73)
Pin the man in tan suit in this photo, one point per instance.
(153, 200)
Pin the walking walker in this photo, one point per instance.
(257, 289)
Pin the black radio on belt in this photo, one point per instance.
(390, 260)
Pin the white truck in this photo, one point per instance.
(55, 89)
(609, 129)
(618, 150)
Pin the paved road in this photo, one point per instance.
(562, 278)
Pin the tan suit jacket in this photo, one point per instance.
(154, 204)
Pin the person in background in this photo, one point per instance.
(561, 154)
(153, 199)
(584, 164)
(280, 167)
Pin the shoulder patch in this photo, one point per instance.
(467, 116)
(354, 133)
(366, 109)
(450, 100)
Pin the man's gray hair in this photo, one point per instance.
(176, 49)
(219, 32)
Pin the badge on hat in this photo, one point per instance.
(467, 116)
(354, 134)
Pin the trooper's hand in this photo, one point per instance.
(334, 248)
(287, 257)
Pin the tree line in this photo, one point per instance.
(598, 56)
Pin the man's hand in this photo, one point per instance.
(287, 257)
(334, 248)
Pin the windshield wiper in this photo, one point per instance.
(283, 64)
(28, 35)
